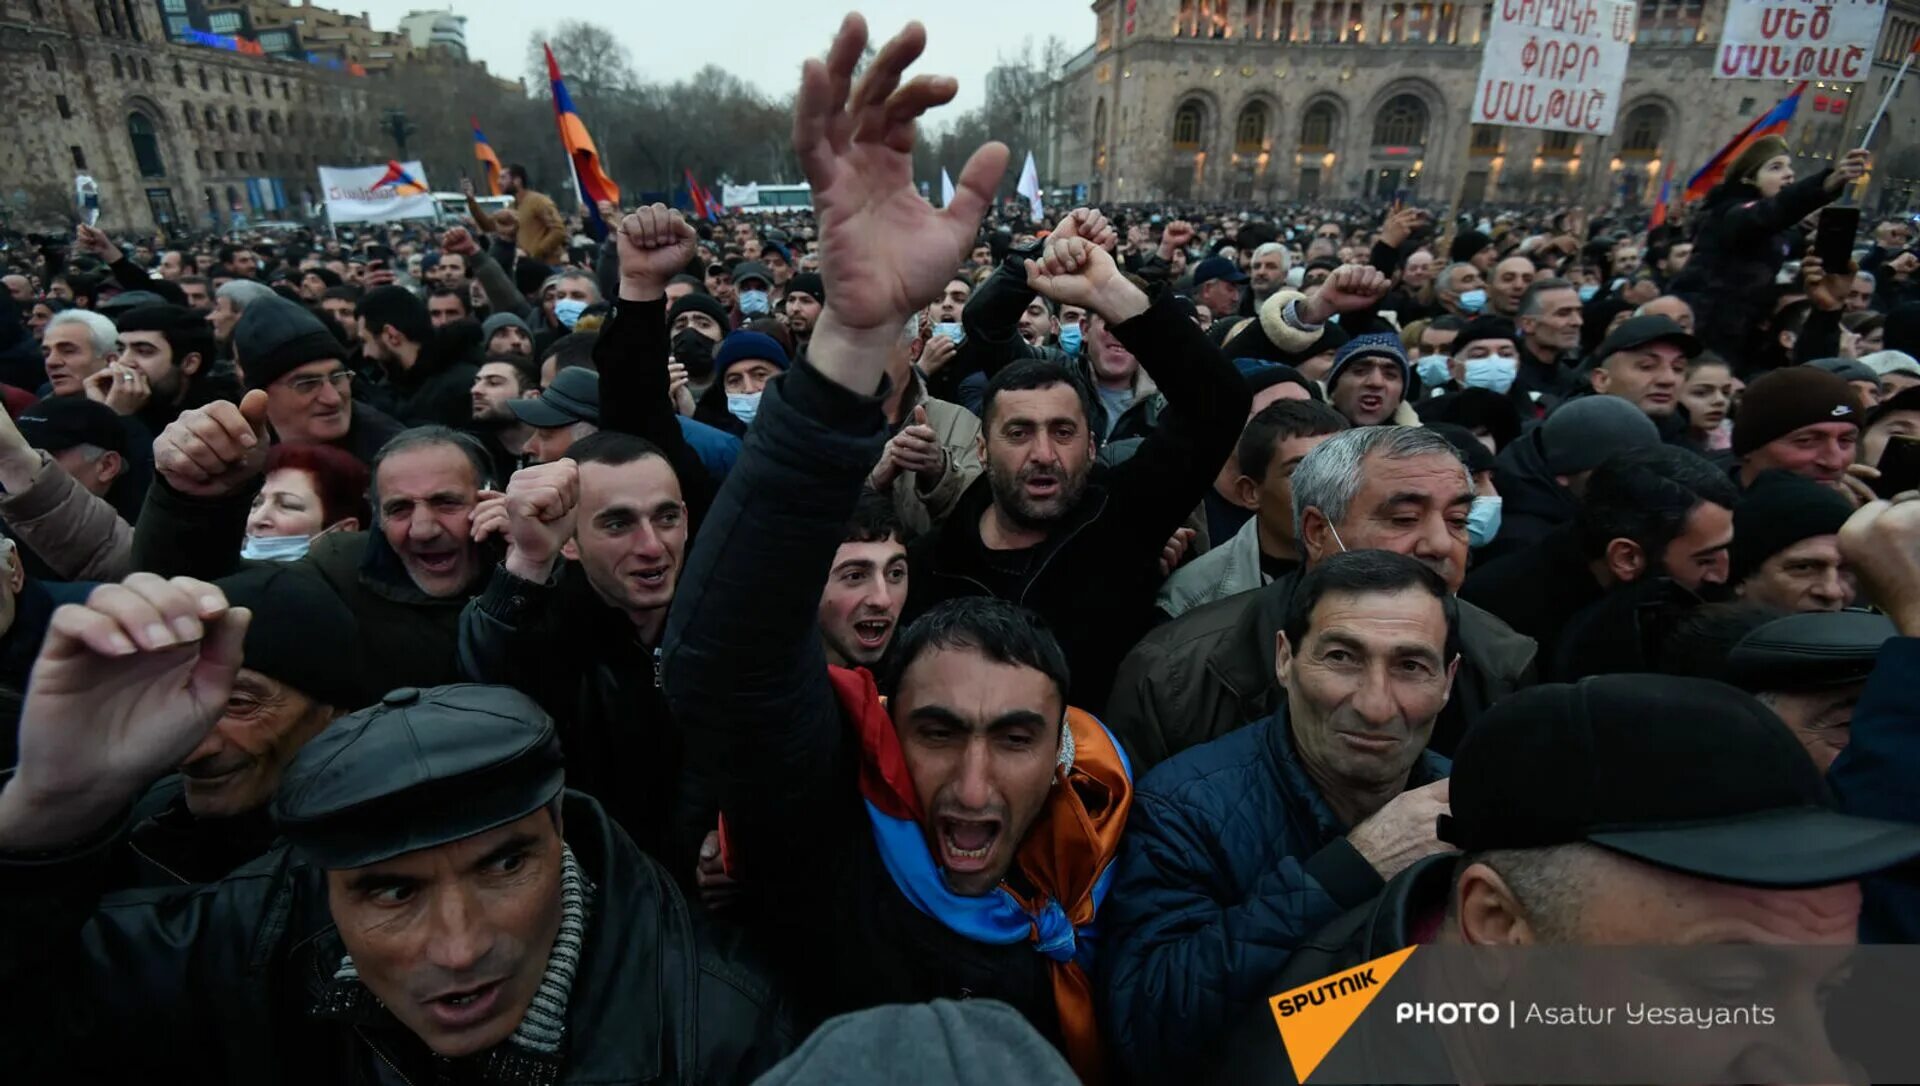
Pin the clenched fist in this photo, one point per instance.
(541, 502)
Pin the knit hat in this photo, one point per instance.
(1483, 328)
(699, 303)
(1777, 511)
(1585, 431)
(1261, 376)
(1466, 245)
(274, 337)
(1371, 345)
(1783, 401)
(1885, 362)
(747, 347)
(294, 614)
(978, 1042)
(1748, 162)
(1846, 369)
(809, 284)
(498, 321)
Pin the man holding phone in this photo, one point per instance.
(1891, 442)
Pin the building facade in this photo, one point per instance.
(1278, 100)
(436, 30)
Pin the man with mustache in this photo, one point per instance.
(1396, 488)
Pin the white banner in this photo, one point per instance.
(1799, 39)
(740, 195)
(376, 193)
(1555, 64)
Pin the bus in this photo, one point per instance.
(768, 198)
(452, 206)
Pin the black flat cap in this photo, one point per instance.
(1809, 651)
(422, 768)
(574, 396)
(58, 423)
(1637, 332)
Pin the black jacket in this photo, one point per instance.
(1533, 501)
(1620, 632)
(747, 679)
(369, 429)
(1738, 245)
(233, 981)
(1538, 588)
(438, 389)
(1095, 577)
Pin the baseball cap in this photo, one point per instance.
(1907, 399)
(751, 269)
(1809, 651)
(59, 423)
(1217, 267)
(1687, 774)
(574, 396)
(1641, 331)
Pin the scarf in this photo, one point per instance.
(1066, 857)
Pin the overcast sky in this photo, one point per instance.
(764, 41)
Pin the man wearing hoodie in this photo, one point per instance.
(1542, 475)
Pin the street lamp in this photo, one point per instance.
(399, 127)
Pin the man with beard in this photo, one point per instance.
(697, 324)
(1268, 272)
(502, 379)
(506, 334)
(1035, 531)
(428, 385)
(168, 351)
(805, 295)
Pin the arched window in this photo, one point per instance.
(1186, 127)
(1250, 132)
(1402, 122)
(146, 70)
(118, 71)
(1316, 128)
(1646, 126)
(103, 16)
(246, 84)
(33, 8)
(47, 58)
(146, 145)
(133, 19)
(253, 121)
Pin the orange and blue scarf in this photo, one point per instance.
(1067, 856)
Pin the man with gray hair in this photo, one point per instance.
(1396, 488)
(75, 345)
(1461, 290)
(231, 300)
(1268, 271)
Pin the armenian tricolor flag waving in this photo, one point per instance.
(1771, 123)
(589, 179)
(483, 152)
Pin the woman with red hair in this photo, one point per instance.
(310, 490)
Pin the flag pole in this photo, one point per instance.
(1893, 88)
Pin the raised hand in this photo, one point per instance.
(1073, 271)
(935, 353)
(466, 187)
(93, 241)
(214, 450)
(126, 686)
(1826, 290)
(1089, 223)
(459, 242)
(488, 518)
(677, 389)
(1177, 235)
(655, 245)
(541, 502)
(1881, 543)
(1401, 225)
(916, 448)
(121, 387)
(1349, 288)
(1851, 167)
(884, 251)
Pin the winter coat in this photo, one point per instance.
(243, 968)
(1873, 778)
(540, 232)
(958, 431)
(438, 390)
(368, 430)
(1232, 857)
(1533, 502)
(1210, 672)
(1227, 570)
(1739, 243)
(1537, 589)
(79, 536)
(1095, 576)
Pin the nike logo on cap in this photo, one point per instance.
(1842, 409)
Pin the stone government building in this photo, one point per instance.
(176, 129)
(1275, 100)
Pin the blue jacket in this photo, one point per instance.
(1231, 859)
(1874, 778)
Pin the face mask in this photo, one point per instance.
(1473, 301)
(567, 311)
(1483, 521)
(694, 351)
(275, 548)
(1589, 292)
(755, 303)
(1433, 370)
(952, 331)
(1070, 338)
(1494, 373)
(743, 406)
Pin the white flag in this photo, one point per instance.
(946, 188)
(1029, 187)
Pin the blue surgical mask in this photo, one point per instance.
(743, 406)
(275, 548)
(1483, 521)
(1589, 292)
(1473, 301)
(952, 331)
(1433, 370)
(1070, 338)
(755, 303)
(567, 311)
(1495, 373)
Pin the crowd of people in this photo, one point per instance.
(893, 642)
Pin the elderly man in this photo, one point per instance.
(284, 350)
(1798, 419)
(1786, 545)
(231, 300)
(1241, 847)
(1268, 270)
(1396, 488)
(1549, 320)
(1218, 284)
(455, 990)
(75, 345)
(1461, 291)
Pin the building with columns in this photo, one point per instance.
(1279, 100)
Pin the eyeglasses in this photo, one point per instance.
(310, 384)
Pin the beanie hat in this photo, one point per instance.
(747, 347)
(809, 284)
(274, 337)
(294, 614)
(1783, 401)
(1777, 511)
(1585, 431)
(1466, 245)
(1483, 328)
(529, 276)
(1371, 345)
(699, 303)
(1748, 162)
(498, 321)
(1261, 376)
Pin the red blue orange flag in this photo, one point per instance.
(483, 152)
(1660, 208)
(702, 199)
(1771, 123)
(400, 181)
(589, 179)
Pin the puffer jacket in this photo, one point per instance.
(1232, 857)
(1738, 246)
(234, 981)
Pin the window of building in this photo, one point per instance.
(233, 119)
(146, 70)
(79, 157)
(179, 76)
(133, 20)
(118, 71)
(224, 22)
(1284, 31)
(1645, 127)
(213, 119)
(33, 8)
(1558, 144)
(1487, 139)
(65, 107)
(1250, 132)
(253, 121)
(1316, 128)
(48, 60)
(1186, 127)
(286, 89)
(226, 83)
(220, 160)
(200, 159)
(273, 123)
(239, 160)
(1402, 123)
(246, 84)
(103, 15)
(203, 79)
(146, 145)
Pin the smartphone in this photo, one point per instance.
(1833, 238)
(1899, 467)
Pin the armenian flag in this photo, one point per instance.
(483, 152)
(589, 179)
(702, 199)
(1660, 208)
(400, 181)
(1771, 123)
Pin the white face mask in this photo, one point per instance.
(275, 548)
